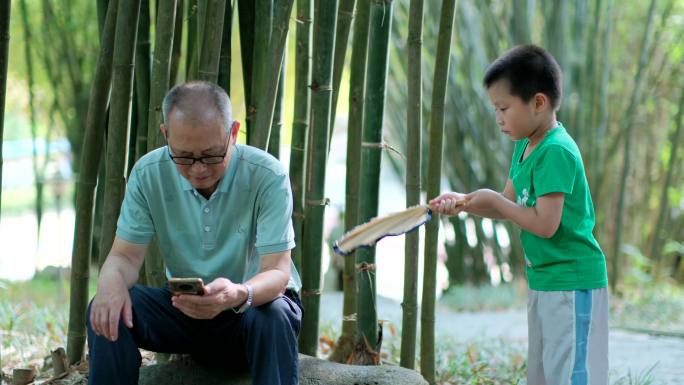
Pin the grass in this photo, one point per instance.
(659, 307)
(34, 318)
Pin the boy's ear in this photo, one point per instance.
(541, 101)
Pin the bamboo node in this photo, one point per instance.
(349, 318)
(383, 146)
(365, 266)
(321, 202)
(310, 293)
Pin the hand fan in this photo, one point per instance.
(377, 228)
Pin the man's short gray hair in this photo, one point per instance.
(185, 96)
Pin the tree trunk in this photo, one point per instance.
(192, 50)
(85, 187)
(119, 116)
(211, 46)
(627, 125)
(300, 121)
(427, 317)
(357, 89)
(367, 351)
(325, 12)
(414, 127)
(5, 7)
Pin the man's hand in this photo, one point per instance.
(111, 302)
(219, 295)
(450, 203)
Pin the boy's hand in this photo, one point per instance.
(481, 199)
(450, 203)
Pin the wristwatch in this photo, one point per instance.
(248, 303)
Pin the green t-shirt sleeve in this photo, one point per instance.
(274, 231)
(555, 171)
(135, 222)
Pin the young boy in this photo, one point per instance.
(547, 195)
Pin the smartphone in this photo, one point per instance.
(186, 286)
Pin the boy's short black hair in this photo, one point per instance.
(529, 69)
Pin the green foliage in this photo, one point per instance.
(485, 298)
(650, 307)
(33, 317)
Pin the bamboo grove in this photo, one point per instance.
(411, 73)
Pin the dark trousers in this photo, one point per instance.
(263, 339)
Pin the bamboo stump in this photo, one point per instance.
(312, 371)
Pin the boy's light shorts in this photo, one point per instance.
(568, 337)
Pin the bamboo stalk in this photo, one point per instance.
(277, 124)
(627, 125)
(163, 47)
(521, 20)
(5, 8)
(192, 50)
(300, 121)
(142, 78)
(119, 114)
(345, 15)
(357, 88)
(325, 15)
(211, 46)
(414, 127)
(85, 188)
(246, 17)
(37, 172)
(265, 85)
(177, 42)
(434, 166)
(367, 339)
(224, 60)
(656, 239)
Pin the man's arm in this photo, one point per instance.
(272, 279)
(112, 300)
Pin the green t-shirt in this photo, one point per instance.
(572, 258)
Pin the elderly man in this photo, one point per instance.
(221, 212)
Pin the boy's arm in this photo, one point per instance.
(542, 220)
(491, 212)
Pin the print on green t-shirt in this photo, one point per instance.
(572, 258)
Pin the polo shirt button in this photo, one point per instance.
(207, 229)
(206, 209)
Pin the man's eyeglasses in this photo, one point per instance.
(189, 161)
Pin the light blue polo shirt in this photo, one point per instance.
(248, 215)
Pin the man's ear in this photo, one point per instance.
(234, 130)
(163, 131)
